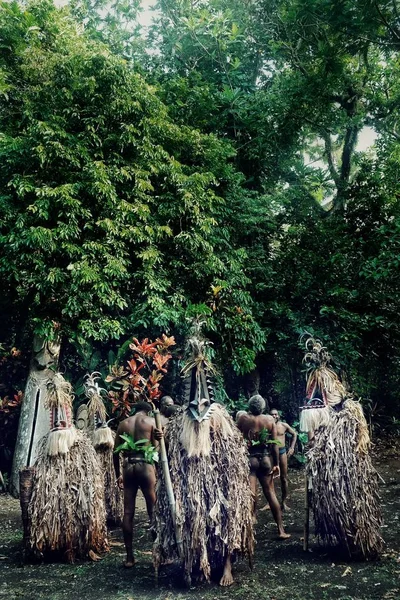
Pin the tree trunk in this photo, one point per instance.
(34, 421)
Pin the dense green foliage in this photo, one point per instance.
(209, 165)
(292, 84)
(112, 216)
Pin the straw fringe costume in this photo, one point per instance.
(340, 474)
(103, 438)
(66, 511)
(113, 495)
(210, 477)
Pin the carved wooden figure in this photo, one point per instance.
(34, 421)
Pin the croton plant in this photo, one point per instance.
(139, 379)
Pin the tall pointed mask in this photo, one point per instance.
(197, 372)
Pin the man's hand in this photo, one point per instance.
(290, 452)
(158, 434)
(120, 482)
(276, 471)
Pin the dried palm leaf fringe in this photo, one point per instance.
(60, 441)
(66, 510)
(312, 418)
(59, 392)
(344, 484)
(103, 438)
(213, 498)
(96, 407)
(113, 495)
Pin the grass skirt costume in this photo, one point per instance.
(210, 475)
(103, 439)
(340, 474)
(66, 514)
(345, 498)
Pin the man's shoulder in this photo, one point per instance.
(149, 420)
(125, 426)
(266, 419)
(243, 417)
(137, 419)
(285, 425)
(281, 426)
(127, 422)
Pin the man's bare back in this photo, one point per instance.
(251, 427)
(137, 474)
(252, 424)
(139, 427)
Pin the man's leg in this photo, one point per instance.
(284, 479)
(268, 488)
(130, 492)
(253, 483)
(148, 487)
(227, 578)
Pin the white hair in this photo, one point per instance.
(257, 404)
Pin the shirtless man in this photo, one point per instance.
(252, 424)
(136, 472)
(282, 429)
(166, 403)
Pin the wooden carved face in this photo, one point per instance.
(45, 353)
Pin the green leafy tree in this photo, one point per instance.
(292, 84)
(112, 216)
(231, 187)
(114, 22)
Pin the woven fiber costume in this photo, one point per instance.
(103, 441)
(210, 478)
(340, 474)
(66, 511)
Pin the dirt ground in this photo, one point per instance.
(282, 571)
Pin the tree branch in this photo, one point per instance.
(347, 154)
(348, 149)
(395, 9)
(330, 157)
(386, 22)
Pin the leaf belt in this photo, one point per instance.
(258, 451)
(135, 459)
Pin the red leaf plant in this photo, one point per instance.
(140, 378)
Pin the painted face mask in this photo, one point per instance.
(199, 393)
(324, 390)
(102, 434)
(58, 401)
